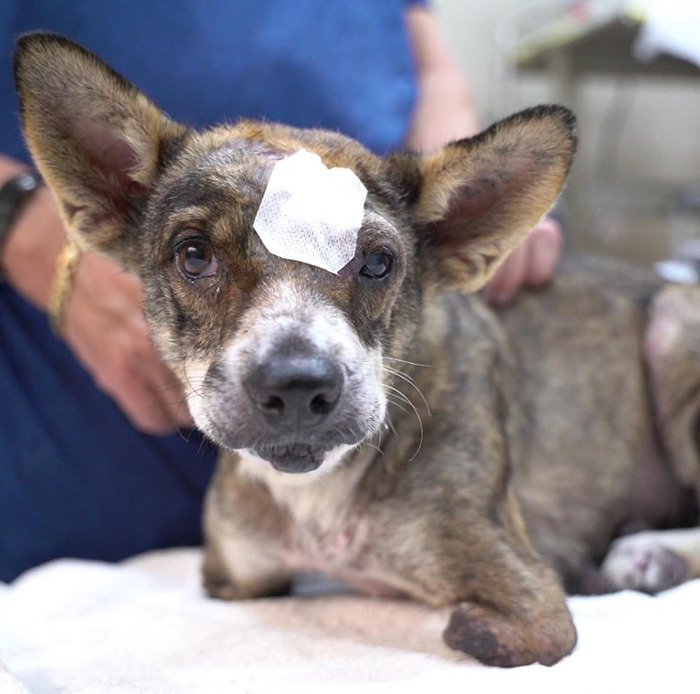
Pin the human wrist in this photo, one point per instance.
(31, 248)
(15, 193)
(9, 169)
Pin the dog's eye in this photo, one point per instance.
(195, 259)
(377, 265)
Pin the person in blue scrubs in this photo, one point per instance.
(97, 456)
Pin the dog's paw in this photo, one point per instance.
(638, 562)
(495, 639)
(221, 589)
(224, 589)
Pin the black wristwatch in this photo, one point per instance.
(13, 195)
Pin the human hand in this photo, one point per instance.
(105, 328)
(104, 324)
(531, 264)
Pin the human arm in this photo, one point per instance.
(445, 111)
(104, 325)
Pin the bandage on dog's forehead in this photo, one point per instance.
(311, 213)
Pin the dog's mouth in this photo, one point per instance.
(295, 458)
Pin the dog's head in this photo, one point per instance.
(280, 358)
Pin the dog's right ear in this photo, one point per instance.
(97, 140)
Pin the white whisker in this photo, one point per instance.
(415, 411)
(405, 377)
(412, 363)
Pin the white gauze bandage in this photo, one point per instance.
(311, 213)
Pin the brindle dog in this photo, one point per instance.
(383, 424)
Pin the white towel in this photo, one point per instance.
(145, 626)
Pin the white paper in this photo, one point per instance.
(670, 26)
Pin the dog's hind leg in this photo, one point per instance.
(672, 353)
(653, 561)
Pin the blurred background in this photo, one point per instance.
(631, 72)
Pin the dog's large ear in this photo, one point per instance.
(475, 199)
(97, 140)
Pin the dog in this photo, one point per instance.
(382, 423)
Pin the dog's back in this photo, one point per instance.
(562, 377)
(590, 463)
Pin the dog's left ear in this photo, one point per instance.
(97, 140)
(475, 199)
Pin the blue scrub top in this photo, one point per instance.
(338, 64)
(75, 478)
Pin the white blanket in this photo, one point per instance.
(145, 626)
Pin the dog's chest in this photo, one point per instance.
(325, 527)
(335, 540)
(269, 523)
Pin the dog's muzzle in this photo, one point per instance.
(295, 396)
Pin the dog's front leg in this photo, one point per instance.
(517, 616)
(245, 534)
(235, 569)
(509, 607)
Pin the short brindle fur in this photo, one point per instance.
(383, 424)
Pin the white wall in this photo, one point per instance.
(639, 138)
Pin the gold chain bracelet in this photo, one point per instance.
(62, 284)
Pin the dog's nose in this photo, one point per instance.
(295, 393)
